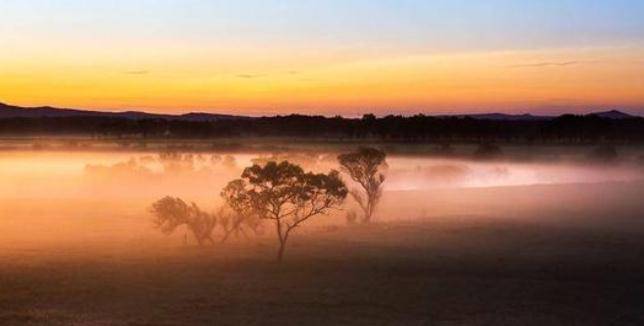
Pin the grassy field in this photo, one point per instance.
(456, 242)
(505, 263)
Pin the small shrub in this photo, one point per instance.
(603, 153)
(487, 151)
(444, 149)
(351, 217)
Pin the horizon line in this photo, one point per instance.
(361, 112)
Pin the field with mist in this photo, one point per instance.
(463, 235)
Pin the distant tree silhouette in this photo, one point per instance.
(566, 129)
(365, 166)
(285, 194)
(487, 151)
(603, 153)
(235, 224)
(445, 148)
(170, 213)
(242, 216)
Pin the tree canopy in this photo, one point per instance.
(365, 166)
(170, 213)
(284, 193)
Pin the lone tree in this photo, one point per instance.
(366, 166)
(284, 193)
(170, 213)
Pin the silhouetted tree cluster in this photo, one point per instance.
(279, 192)
(282, 193)
(171, 213)
(365, 167)
(242, 217)
(566, 129)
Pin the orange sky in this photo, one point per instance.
(112, 62)
(467, 82)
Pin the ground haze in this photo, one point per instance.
(455, 241)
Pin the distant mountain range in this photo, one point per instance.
(504, 117)
(613, 114)
(11, 111)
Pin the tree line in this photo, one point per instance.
(566, 129)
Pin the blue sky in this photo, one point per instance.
(415, 25)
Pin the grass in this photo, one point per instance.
(412, 273)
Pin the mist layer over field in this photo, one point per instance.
(444, 225)
(68, 194)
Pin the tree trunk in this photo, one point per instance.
(367, 213)
(195, 234)
(225, 237)
(280, 252)
(282, 236)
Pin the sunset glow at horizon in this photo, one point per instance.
(324, 57)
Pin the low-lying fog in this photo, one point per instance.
(60, 197)
(144, 175)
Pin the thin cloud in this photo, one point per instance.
(250, 76)
(547, 64)
(137, 72)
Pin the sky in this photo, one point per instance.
(347, 57)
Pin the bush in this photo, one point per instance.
(603, 153)
(487, 151)
(351, 217)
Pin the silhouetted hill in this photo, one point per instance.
(11, 111)
(613, 114)
(508, 117)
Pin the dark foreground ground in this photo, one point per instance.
(472, 271)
